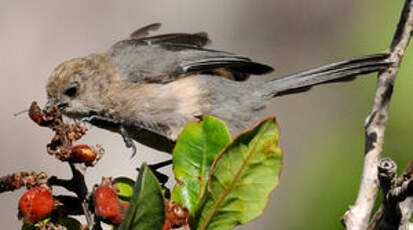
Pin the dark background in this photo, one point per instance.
(321, 130)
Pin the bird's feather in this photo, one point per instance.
(164, 58)
(144, 31)
(335, 72)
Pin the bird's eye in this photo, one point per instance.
(71, 91)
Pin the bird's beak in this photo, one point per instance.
(52, 103)
(49, 104)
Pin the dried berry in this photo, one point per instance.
(36, 204)
(35, 113)
(176, 214)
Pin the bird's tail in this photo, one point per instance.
(335, 72)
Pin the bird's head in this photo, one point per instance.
(74, 86)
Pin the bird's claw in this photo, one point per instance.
(130, 144)
(87, 119)
(128, 141)
(96, 119)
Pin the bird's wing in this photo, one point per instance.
(141, 37)
(144, 31)
(164, 58)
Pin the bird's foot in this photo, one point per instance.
(128, 141)
(100, 121)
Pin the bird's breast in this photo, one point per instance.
(167, 107)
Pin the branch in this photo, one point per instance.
(68, 205)
(78, 186)
(21, 179)
(406, 206)
(357, 217)
(396, 208)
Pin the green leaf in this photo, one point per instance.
(147, 207)
(242, 178)
(64, 221)
(166, 192)
(35, 226)
(195, 150)
(27, 226)
(125, 186)
(68, 222)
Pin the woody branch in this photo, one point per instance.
(357, 217)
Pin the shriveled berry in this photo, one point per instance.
(36, 204)
(35, 113)
(176, 214)
(106, 202)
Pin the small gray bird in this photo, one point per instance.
(148, 88)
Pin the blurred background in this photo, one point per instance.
(321, 130)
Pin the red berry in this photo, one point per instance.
(36, 204)
(167, 225)
(118, 218)
(82, 153)
(106, 203)
(125, 206)
(121, 215)
(35, 113)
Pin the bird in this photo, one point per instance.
(147, 88)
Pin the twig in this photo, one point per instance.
(357, 217)
(407, 210)
(78, 186)
(68, 205)
(21, 179)
(395, 211)
(406, 206)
